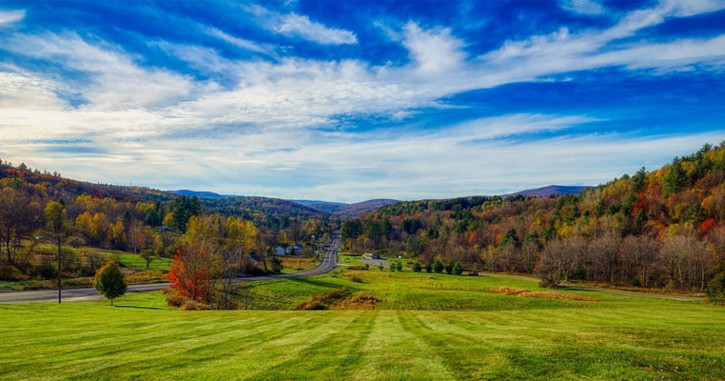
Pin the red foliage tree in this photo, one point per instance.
(190, 273)
(707, 225)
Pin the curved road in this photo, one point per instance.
(329, 262)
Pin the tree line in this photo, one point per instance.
(662, 228)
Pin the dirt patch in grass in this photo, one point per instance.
(542, 295)
(362, 300)
(322, 301)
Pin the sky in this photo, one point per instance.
(352, 100)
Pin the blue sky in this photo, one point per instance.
(346, 101)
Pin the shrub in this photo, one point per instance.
(549, 279)
(45, 270)
(355, 278)
(400, 265)
(457, 269)
(416, 267)
(716, 289)
(438, 266)
(276, 265)
(173, 298)
(193, 305)
(428, 268)
(10, 272)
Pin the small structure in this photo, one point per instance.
(372, 256)
(280, 251)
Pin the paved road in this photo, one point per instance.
(329, 262)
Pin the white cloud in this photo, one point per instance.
(585, 7)
(114, 79)
(433, 51)
(294, 25)
(11, 17)
(239, 42)
(283, 114)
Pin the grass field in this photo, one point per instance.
(294, 264)
(424, 327)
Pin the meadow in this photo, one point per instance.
(424, 326)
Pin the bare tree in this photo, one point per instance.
(687, 258)
(604, 255)
(561, 257)
(642, 252)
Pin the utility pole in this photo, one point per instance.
(59, 282)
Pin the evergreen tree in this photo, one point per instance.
(457, 269)
(416, 267)
(675, 179)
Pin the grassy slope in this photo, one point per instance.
(483, 335)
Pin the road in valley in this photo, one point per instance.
(329, 263)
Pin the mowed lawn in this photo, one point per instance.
(436, 327)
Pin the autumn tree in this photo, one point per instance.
(109, 281)
(191, 273)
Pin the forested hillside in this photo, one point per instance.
(131, 219)
(664, 228)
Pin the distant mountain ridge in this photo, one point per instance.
(550, 190)
(340, 209)
(199, 194)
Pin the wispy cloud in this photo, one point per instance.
(8, 17)
(239, 42)
(584, 7)
(294, 25)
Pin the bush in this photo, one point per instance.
(716, 289)
(173, 298)
(549, 279)
(276, 265)
(438, 266)
(45, 270)
(10, 272)
(428, 268)
(355, 278)
(193, 305)
(457, 269)
(416, 267)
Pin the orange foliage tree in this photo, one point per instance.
(191, 273)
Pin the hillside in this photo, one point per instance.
(663, 228)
